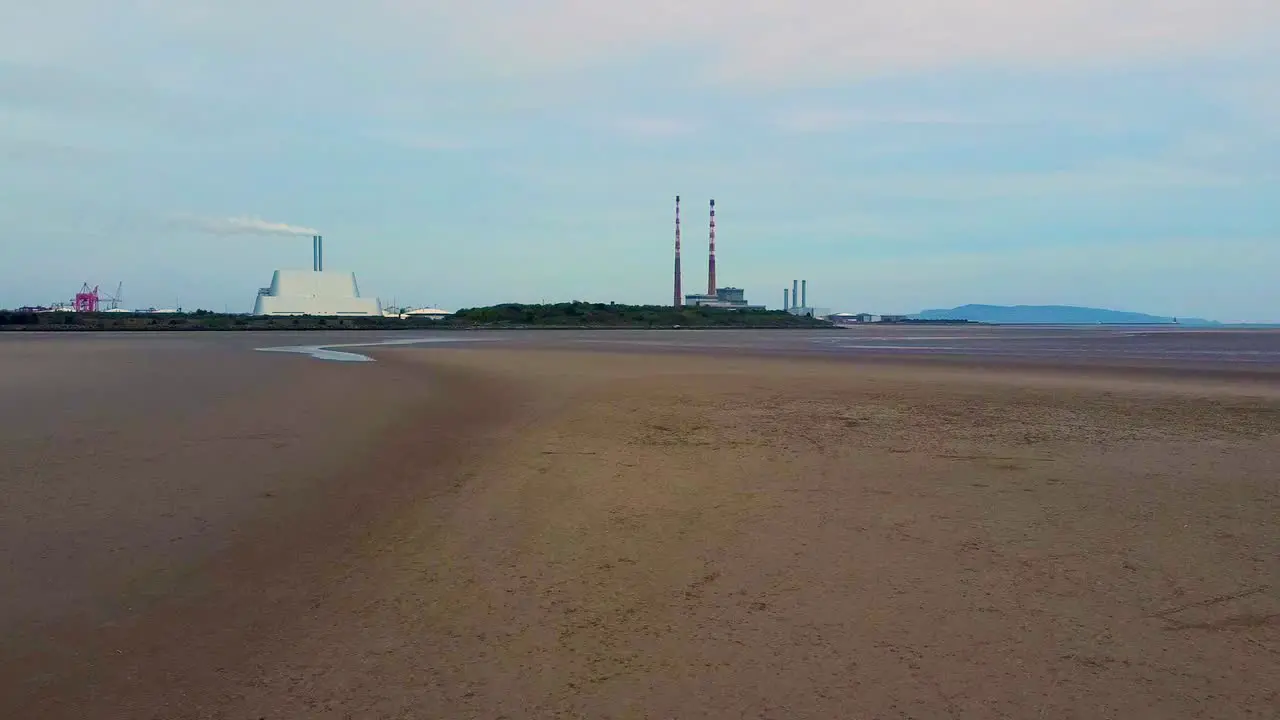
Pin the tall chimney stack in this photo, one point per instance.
(678, 301)
(786, 299)
(315, 253)
(804, 293)
(320, 253)
(795, 293)
(711, 259)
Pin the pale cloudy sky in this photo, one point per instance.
(899, 155)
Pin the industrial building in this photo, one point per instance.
(425, 312)
(851, 318)
(729, 298)
(315, 292)
(796, 301)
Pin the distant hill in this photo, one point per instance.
(1051, 315)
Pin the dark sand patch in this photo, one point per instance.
(162, 527)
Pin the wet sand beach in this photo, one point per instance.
(577, 530)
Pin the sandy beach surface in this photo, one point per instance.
(194, 530)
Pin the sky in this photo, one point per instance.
(898, 155)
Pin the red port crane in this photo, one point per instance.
(90, 300)
(86, 300)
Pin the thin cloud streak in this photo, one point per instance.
(823, 120)
(653, 127)
(420, 141)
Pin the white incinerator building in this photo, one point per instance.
(315, 292)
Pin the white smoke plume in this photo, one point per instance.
(253, 226)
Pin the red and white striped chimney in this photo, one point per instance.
(711, 258)
(678, 301)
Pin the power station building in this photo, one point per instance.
(315, 292)
(729, 298)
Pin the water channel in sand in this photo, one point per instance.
(327, 352)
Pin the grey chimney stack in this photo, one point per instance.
(804, 293)
(795, 293)
(319, 253)
(786, 299)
